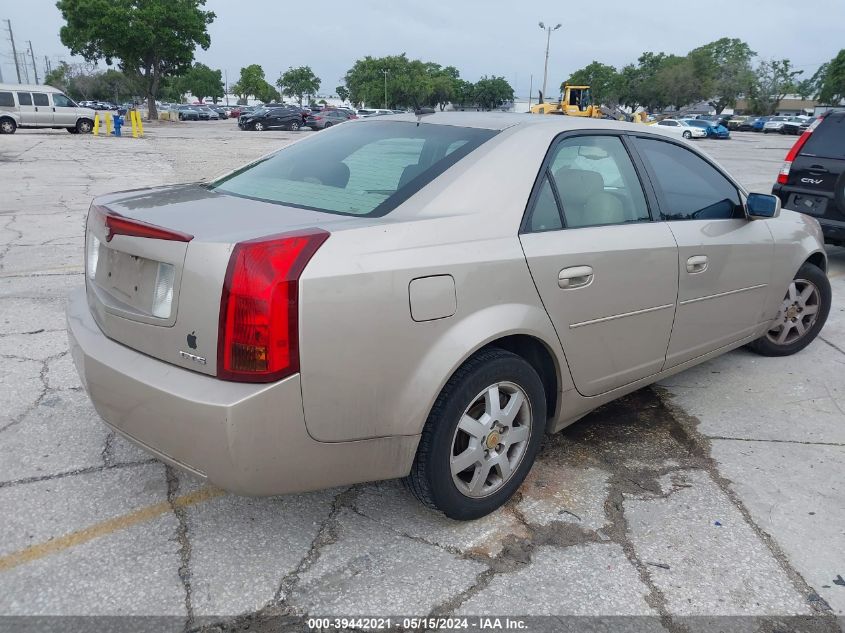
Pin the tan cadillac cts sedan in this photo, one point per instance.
(426, 297)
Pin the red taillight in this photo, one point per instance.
(258, 339)
(783, 176)
(116, 224)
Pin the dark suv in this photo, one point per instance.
(812, 179)
(286, 117)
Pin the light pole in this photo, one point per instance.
(548, 30)
(385, 87)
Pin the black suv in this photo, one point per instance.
(812, 179)
(287, 118)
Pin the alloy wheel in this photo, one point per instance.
(490, 440)
(798, 313)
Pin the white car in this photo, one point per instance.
(682, 128)
(775, 124)
(368, 112)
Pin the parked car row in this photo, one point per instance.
(695, 128)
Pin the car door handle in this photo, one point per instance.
(575, 277)
(697, 264)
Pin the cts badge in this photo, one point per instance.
(193, 357)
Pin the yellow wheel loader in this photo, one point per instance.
(578, 101)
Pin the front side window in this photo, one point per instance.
(689, 187)
(596, 182)
(25, 99)
(40, 99)
(61, 101)
(364, 170)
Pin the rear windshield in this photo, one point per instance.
(828, 139)
(365, 169)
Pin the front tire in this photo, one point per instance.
(687, 135)
(8, 126)
(258, 127)
(801, 317)
(84, 126)
(481, 436)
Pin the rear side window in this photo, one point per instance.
(366, 169)
(24, 98)
(689, 187)
(596, 182)
(7, 100)
(40, 99)
(828, 139)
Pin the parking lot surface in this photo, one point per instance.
(720, 492)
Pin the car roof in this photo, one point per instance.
(505, 120)
(28, 88)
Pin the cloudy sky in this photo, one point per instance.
(478, 36)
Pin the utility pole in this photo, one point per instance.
(32, 56)
(548, 30)
(530, 90)
(47, 68)
(385, 88)
(14, 50)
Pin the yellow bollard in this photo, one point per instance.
(132, 115)
(97, 124)
(140, 124)
(108, 123)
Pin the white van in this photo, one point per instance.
(25, 105)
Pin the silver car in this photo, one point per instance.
(34, 106)
(426, 298)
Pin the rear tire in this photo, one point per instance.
(801, 317)
(490, 419)
(8, 126)
(294, 126)
(328, 124)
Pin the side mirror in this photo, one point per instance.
(761, 206)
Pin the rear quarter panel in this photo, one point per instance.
(368, 369)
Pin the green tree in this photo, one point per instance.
(251, 82)
(492, 92)
(201, 81)
(267, 93)
(832, 84)
(407, 82)
(678, 84)
(602, 79)
(811, 87)
(464, 93)
(342, 93)
(774, 79)
(724, 71)
(153, 38)
(299, 82)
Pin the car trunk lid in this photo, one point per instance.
(156, 261)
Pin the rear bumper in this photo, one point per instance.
(247, 438)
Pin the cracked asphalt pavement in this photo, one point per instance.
(717, 494)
